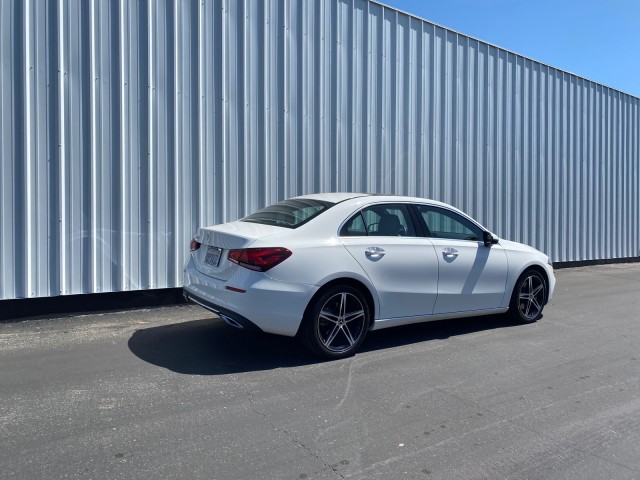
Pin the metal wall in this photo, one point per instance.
(126, 124)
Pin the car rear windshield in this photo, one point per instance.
(289, 213)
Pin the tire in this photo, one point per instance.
(528, 298)
(336, 322)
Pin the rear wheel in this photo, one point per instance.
(528, 298)
(337, 322)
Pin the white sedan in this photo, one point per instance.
(330, 267)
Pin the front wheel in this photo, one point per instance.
(528, 298)
(337, 322)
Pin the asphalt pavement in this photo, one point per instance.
(173, 392)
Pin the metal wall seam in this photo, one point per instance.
(125, 125)
(7, 59)
(29, 191)
(62, 158)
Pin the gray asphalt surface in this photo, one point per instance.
(175, 393)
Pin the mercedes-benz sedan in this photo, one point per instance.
(330, 267)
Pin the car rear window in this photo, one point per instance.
(289, 213)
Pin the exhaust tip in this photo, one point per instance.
(231, 321)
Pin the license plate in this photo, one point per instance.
(213, 256)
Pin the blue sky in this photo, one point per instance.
(598, 40)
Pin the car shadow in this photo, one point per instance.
(210, 347)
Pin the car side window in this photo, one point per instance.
(385, 220)
(442, 223)
(354, 227)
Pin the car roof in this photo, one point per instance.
(351, 200)
(334, 197)
(338, 197)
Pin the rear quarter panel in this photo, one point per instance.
(318, 256)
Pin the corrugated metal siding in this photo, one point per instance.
(125, 125)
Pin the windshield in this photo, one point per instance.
(289, 213)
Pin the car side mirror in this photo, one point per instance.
(489, 239)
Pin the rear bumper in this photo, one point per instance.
(231, 318)
(268, 305)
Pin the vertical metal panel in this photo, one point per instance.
(124, 125)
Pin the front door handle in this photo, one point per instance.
(450, 252)
(374, 253)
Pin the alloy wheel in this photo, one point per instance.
(341, 322)
(531, 297)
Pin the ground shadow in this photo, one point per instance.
(210, 347)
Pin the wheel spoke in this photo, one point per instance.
(343, 304)
(353, 315)
(332, 335)
(526, 313)
(537, 290)
(329, 317)
(535, 302)
(347, 333)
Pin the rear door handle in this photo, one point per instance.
(374, 253)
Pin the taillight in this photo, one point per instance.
(259, 259)
(194, 245)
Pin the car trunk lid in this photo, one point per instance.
(212, 257)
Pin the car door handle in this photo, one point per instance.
(450, 252)
(374, 253)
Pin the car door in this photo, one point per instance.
(401, 265)
(471, 275)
